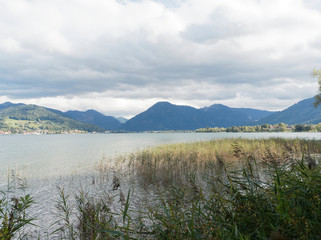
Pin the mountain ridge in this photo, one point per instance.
(302, 112)
(167, 116)
(26, 118)
(93, 117)
(164, 116)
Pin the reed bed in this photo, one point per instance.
(222, 189)
(165, 164)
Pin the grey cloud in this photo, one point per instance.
(217, 29)
(137, 65)
(204, 61)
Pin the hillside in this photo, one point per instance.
(301, 112)
(96, 118)
(121, 119)
(9, 104)
(167, 116)
(219, 115)
(160, 117)
(164, 116)
(27, 118)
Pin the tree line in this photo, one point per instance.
(280, 127)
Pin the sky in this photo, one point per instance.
(120, 57)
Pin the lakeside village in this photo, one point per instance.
(42, 132)
(280, 127)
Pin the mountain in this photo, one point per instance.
(160, 117)
(167, 116)
(301, 112)
(219, 115)
(96, 118)
(254, 114)
(9, 104)
(163, 116)
(32, 117)
(121, 119)
(56, 111)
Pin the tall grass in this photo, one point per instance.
(173, 163)
(222, 189)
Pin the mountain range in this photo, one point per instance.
(159, 117)
(96, 118)
(167, 116)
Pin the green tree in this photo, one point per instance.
(317, 74)
(281, 127)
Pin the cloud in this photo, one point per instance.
(83, 53)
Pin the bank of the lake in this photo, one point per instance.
(52, 156)
(155, 168)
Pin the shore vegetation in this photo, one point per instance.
(280, 127)
(220, 189)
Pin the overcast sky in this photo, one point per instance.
(122, 56)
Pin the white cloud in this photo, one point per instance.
(10, 45)
(83, 53)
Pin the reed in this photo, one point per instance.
(14, 209)
(286, 205)
(172, 163)
(222, 189)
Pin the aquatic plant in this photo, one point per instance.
(223, 189)
(13, 209)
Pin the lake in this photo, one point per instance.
(46, 156)
(45, 162)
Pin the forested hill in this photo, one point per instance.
(96, 118)
(27, 118)
(301, 112)
(162, 116)
(9, 104)
(167, 116)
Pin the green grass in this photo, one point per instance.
(22, 123)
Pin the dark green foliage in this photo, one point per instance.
(302, 128)
(3, 125)
(96, 221)
(13, 215)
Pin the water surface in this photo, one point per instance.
(45, 156)
(45, 162)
